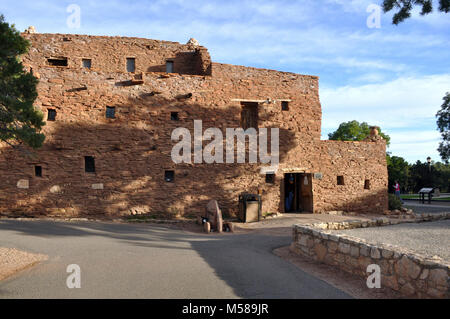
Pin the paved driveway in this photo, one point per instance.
(148, 261)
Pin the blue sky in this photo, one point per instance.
(392, 76)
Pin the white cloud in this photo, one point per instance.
(435, 19)
(402, 102)
(404, 108)
(352, 5)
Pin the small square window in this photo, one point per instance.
(169, 176)
(51, 115)
(367, 184)
(174, 116)
(89, 164)
(87, 63)
(38, 171)
(110, 112)
(57, 62)
(270, 178)
(284, 105)
(169, 66)
(131, 65)
(340, 180)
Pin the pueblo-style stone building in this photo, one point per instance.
(111, 104)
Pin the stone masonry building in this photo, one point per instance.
(111, 104)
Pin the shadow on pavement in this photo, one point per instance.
(244, 261)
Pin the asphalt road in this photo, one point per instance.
(434, 207)
(148, 261)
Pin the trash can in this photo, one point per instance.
(250, 208)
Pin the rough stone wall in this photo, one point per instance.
(109, 54)
(133, 150)
(356, 162)
(410, 274)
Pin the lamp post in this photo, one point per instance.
(429, 170)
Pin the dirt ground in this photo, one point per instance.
(13, 261)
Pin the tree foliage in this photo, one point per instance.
(443, 123)
(413, 177)
(405, 6)
(354, 131)
(20, 122)
(398, 170)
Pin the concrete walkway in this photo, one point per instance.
(148, 261)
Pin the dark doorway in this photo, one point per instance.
(249, 115)
(297, 195)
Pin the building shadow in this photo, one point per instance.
(132, 154)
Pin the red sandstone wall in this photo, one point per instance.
(109, 54)
(133, 150)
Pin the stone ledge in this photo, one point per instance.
(403, 270)
(380, 221)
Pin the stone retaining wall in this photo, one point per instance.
(411, 274)
(381, 221)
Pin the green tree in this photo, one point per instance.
(405, 7)
(441, 176)
(20, 122)
(443, 123)
(398, 170)
(422, 175)
(354, 131)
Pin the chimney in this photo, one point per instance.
(374, 131)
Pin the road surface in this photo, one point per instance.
(150, 261)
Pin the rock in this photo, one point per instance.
(389, 281)
(55, 189)
(31, 29)
(386, 253)
(424, 274)
(193, 42)
(340, 258)
(214, 215)
(207, 227)
(332, 247)
(364, 250)
(363, 262)
(405, 267)
(434, 293)
(439, 277)
(408, 290)
(334, 238)
(375, 253)
(354, 251)
(228, 226)
(304, 240)
(321, 251)
(344, 248)
(23, 184)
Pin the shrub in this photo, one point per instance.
(394, 202)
